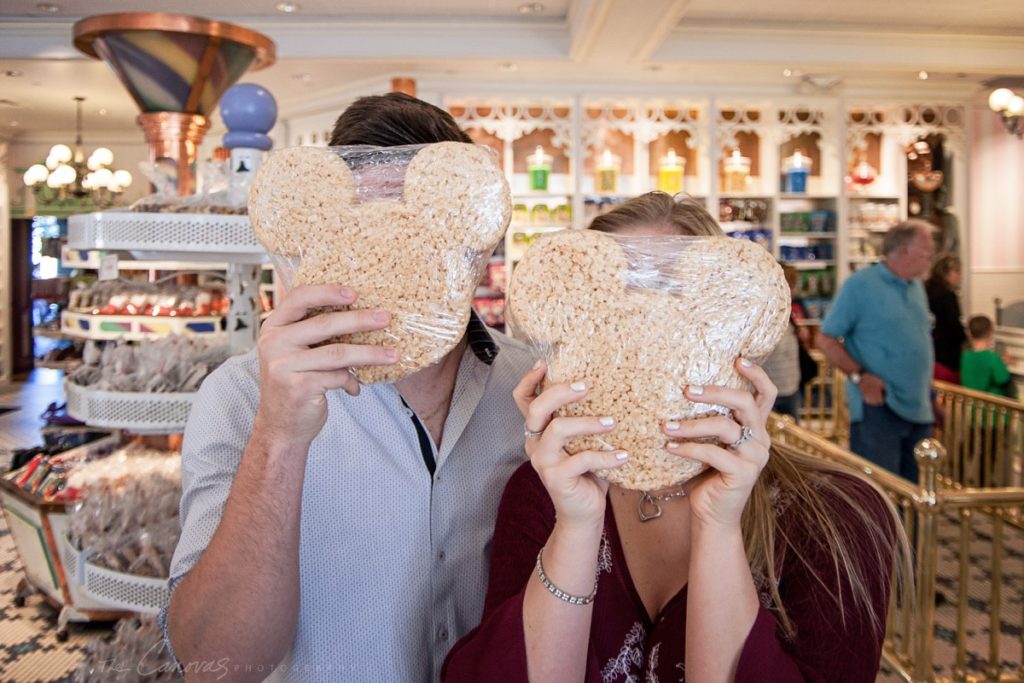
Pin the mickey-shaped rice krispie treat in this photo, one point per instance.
(640, 319)
(415, 248)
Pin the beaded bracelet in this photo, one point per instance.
(558, 592)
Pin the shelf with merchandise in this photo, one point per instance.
(811, 265)
(89, 259)
(101, 327)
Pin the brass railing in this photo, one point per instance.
(983, 435)
(930, 508)
(824, 405)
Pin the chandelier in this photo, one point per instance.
(68, 175)
(1010, 106)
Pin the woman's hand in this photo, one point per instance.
(719, 496)
(578, 496)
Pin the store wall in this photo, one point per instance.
(996, 214)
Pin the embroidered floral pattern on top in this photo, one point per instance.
(604, 555)
(630, 659)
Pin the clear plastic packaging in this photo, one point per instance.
(126, 517)
(134, 652)
(171, 364)
(639, 319)
(410, 229)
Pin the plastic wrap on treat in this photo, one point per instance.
(410, 229)
(639, 319)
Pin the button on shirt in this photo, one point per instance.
(393, 561)
(886, 327)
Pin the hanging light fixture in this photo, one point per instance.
(1010, 106)
(68, 174)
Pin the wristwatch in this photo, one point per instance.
(856, 377)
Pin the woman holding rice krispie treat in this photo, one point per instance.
(768, 565)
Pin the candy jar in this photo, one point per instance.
(737, 172)
(670, 173)
(795, 170)
(607, 179)
(538, 165)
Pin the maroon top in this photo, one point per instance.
(625, 646)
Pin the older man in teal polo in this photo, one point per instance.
(878, 331)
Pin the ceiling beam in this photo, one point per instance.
(350, 38)
(586, 20)
(713, 43)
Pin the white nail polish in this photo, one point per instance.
(672, 444)
(607, 421)
(578, 386)
(697, 391)
(536, 366)
(746, 363)
(672, 426)
(621, 455)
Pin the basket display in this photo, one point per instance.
(136, 327)
(124, 591)
(167, 235)
(137, 412)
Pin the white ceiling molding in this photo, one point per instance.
(356, 38)
(586, 20)
(661, 30)
(716, 44)
(334, 100)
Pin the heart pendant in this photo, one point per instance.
(645, 501)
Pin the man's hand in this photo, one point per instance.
(294, 377)
(873, 389)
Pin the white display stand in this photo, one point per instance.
(137, 327)
(142, 413)
(167, 236)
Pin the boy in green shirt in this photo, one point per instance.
(981, 368)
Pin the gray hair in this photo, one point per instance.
(902, 234)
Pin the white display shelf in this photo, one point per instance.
(136, 327)
(865, 259)
(811, 264)
(106, 589)
(139, 412)
(168, 236)
(875, 197)
(805, 195)
(89, 259)
(807, 235)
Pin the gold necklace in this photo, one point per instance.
(647, 501)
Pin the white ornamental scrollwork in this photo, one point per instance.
(907, 122)
(644, 121)
(510, 121)
(740, 119)
(795, 121)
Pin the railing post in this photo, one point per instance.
(929, 454)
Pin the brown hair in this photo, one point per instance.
(394, 119)
(938, 279)
(681, 214)
(979, 327)
(821, 508)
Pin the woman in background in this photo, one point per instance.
(948, 333)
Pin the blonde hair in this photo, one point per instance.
(816, 499)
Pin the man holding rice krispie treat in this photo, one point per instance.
(333, 530)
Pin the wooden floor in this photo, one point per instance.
(20, 427)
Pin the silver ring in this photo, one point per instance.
(530, 434)
(745, 436)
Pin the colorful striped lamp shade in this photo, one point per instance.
(176, 68)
